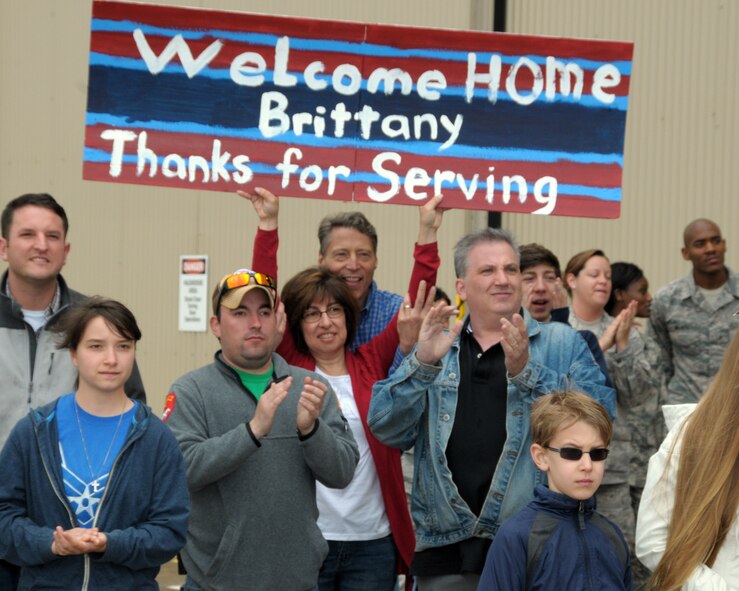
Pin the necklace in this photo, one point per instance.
(95, 485)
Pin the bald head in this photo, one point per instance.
(705, 248)
(699, 226)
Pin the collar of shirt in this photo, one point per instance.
(53, 307)
(371, 294)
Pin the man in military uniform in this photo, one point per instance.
(694, 318)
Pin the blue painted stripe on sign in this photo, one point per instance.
(335, 46)
(602, 193)
(135, 64)
(411, 147)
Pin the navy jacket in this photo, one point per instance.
(557, 543)
(143, 512)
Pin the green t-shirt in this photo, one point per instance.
(256, 383)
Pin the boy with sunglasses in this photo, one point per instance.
(558, 541)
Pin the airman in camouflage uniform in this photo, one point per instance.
(637, 386)
(694, 318)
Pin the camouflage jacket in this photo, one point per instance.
(693, 334)
(637, 386)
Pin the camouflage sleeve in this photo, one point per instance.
(658, 336)
(633, 376)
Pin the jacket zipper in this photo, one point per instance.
(62, 500)
(586, 553)
(64, 503)
(126, 445)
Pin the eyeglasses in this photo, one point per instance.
(313, 315)
(573, 454)
(242, 278)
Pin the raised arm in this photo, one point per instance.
(426, 257)
(631, 369)
(390, 346)
(426, 253)
(266, 241)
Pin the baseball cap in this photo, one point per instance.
(232, 288)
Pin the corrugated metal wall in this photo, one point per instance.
(681, 156)
(682, 138)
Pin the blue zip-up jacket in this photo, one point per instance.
(557, 543)
(143, 511)
(416, 406)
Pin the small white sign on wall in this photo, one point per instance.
(193, 316)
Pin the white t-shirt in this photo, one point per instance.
(711, 295)
(36, 318)
(357, 512)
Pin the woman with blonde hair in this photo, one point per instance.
(688, 523)
(588, 281)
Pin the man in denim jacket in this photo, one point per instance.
(463, 399)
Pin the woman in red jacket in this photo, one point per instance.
(367, 524)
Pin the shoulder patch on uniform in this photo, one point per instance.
(169, 403)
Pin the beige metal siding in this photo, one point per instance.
(126, 240)
(682, 146)
(681, 156)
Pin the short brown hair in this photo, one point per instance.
(554, 412)
(578, 262)
(37, 200)
(72, 324)
(354, 220)
(535, 254)
(317, 282)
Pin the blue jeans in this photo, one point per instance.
(191, 585)
(359, 566)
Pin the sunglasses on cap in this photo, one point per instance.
(573, 453)
(242, 278)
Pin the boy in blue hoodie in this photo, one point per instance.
(558, 541)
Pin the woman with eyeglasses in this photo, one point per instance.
(588, 281)
(688, 525)
(367, 524)
(93, 492)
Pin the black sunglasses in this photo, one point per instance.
(573, 454)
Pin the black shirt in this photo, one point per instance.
(475, 445)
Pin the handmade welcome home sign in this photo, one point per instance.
(206, 99)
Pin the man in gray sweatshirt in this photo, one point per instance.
(256, 434)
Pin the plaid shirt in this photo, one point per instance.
(377, 313)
